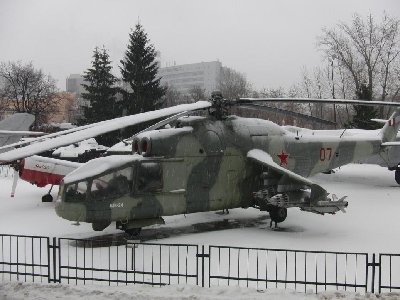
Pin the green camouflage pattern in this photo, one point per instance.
(209, 164)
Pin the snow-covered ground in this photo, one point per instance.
(370, 225)
(22, 291)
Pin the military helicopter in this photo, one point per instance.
(207, 163)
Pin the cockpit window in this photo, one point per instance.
(149, 177)
(112, 185)
(76, 192)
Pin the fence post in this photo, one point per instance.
(374, 264)
(54, 247)
(202, 255)
(373, 274)
(380, 274)
(48, 260)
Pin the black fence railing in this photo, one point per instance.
(389, 275)
(121, 262)
(293, 269)
(25, 258)
(83, 261)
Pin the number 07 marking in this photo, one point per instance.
(325, 154)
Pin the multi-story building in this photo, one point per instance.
(205, 75)
(74, 84)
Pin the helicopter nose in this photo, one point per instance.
(70, 211)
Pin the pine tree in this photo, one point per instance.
(101, 94)
(364, 114)
(100, 89)
(139, 71)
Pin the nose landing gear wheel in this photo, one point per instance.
(47, 198)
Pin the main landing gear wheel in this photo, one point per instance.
(100, 226)
(133, 231)
(277, 214)
(47, 198)
(397, 175)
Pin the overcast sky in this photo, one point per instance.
(267, 40)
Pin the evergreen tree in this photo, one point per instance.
(139, 71)
(364, 114)
(101, 94)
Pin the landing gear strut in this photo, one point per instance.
(48, 197)
(277, 214)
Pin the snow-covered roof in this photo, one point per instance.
(63, 125)
(74, 150)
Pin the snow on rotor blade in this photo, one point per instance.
(52, 135)
(381, 121)
(313, 100)
(99, 129)
(159, 124)
(390, 144)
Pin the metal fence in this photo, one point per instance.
(389, 275)
(25, 258)
(83, 261)
(292, 269)
(121, 262)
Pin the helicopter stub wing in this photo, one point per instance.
(98, 129)
(266, 160)
(317, 202)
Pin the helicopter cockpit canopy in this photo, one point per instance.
(112, 177)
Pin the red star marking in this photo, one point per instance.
(283, 157)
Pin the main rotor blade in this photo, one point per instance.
(52, 135)
(99, 129)
(158, 124)
(320, 101)
(256, 106)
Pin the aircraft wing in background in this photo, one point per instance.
(14, 127)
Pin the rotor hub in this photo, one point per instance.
(220, 105)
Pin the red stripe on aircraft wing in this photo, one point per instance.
(40, 178)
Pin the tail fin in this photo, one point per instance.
(389, 131)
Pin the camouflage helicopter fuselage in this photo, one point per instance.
(206, 164)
